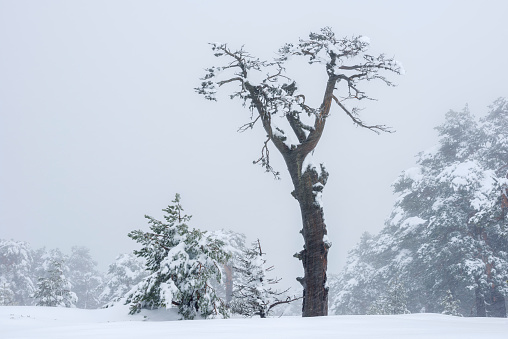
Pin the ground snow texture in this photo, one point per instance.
(55, 323)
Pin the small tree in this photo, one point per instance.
(394, 302)
(182, 262)
(397, 299)
(253, 293)
(450, 305)
(276, 102)
(84, 277)
(6, 294)
(55, 289)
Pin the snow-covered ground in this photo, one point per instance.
(112, 323)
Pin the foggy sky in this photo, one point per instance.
(99, 122)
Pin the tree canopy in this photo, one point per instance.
(448, 231)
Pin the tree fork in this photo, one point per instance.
(277, 96)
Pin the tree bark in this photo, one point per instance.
(314, 256)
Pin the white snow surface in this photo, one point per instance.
(114, 323)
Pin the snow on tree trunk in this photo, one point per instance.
(314, 256)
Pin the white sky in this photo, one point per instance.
(99, 122)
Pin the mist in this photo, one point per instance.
(100, 123)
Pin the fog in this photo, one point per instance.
(100, 123)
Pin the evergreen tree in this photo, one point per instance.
(396, 301)
(450, 305)
(55, 289)
(6, 294)
(393, 302)
(359, 274)
(16, 263)
(448, 228)
(253, 293)
(181, 264)
(84, 277)
(126, 272)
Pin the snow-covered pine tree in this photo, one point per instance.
(181, 264)
(358, 275)
(450, 305)
(54, 289)
(394, 301)
(43, 260)
(496, 233)
(448, 228)
(84, 277)
(126, 272)
(16, 263)
(6, 294)
(252, 292)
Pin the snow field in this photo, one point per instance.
(31, 322)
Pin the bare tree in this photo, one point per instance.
(270, 94)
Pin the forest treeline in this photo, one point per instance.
(444, 247)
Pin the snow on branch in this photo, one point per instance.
(266, 89)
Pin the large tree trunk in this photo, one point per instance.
(314, 256)
(308, 186)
